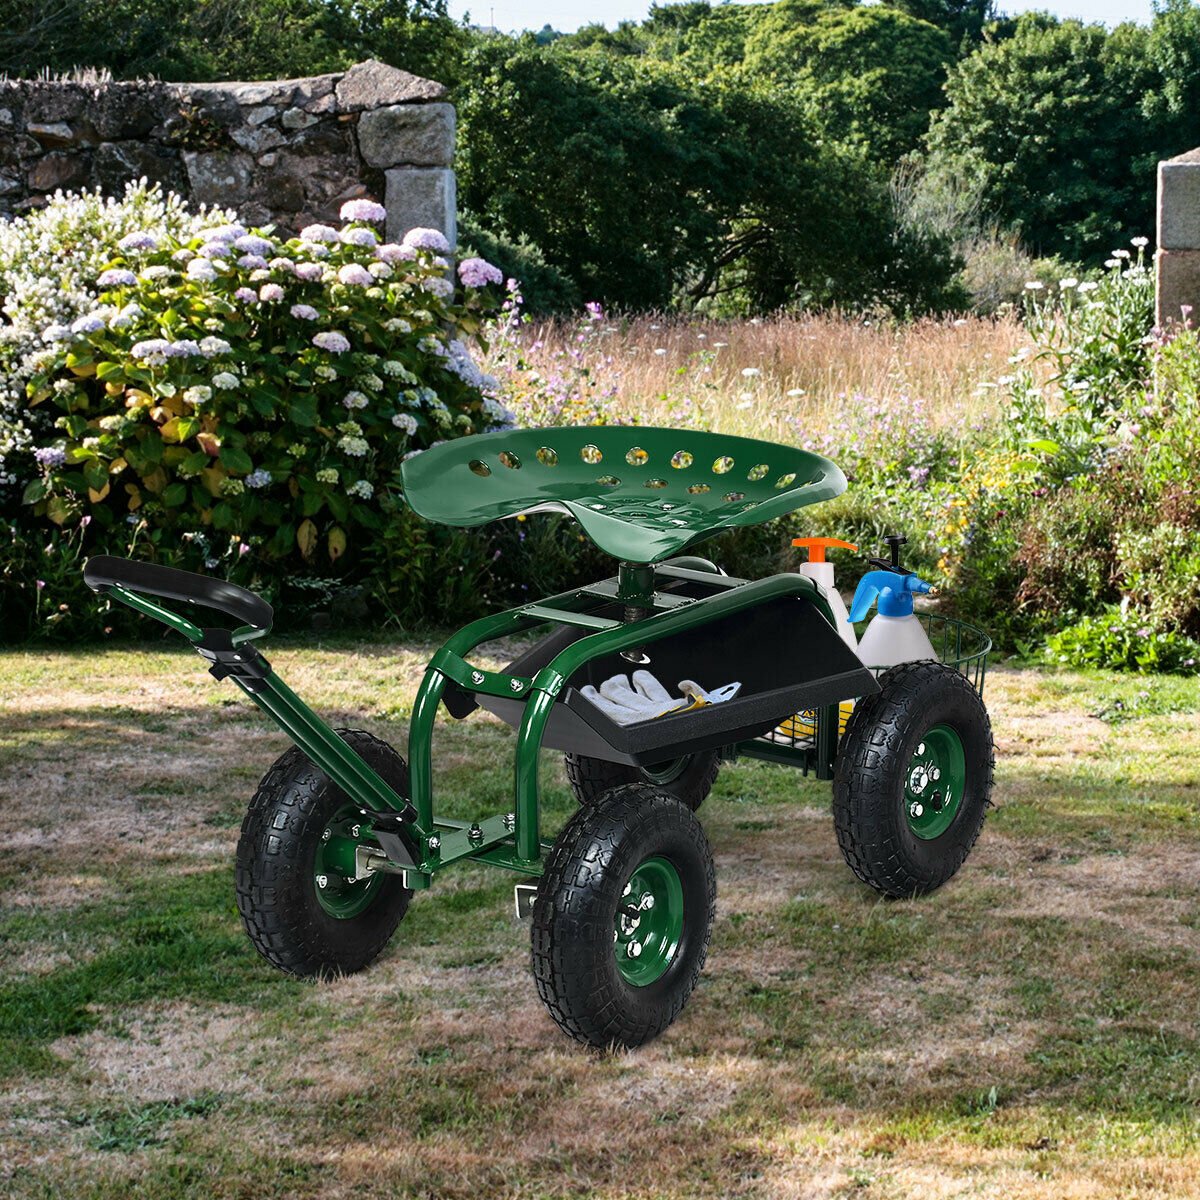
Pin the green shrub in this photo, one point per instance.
(1120, 639)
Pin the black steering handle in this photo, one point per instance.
(104, 571)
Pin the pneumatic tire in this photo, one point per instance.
(689, 779)
(913, 779)
(294, 923)
(623, 916)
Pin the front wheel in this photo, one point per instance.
(622, 917)
(298, 891)
(913, 779)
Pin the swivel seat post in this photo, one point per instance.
(635, 587)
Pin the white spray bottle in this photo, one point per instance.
(821, 573)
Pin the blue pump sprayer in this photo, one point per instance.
(896, 635)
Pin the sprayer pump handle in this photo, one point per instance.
(816, 546)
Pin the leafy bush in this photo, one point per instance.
(1120, 639)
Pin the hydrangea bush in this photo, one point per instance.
(240, 397)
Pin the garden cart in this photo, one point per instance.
(343, 830)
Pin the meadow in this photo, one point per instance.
(1028, 1031)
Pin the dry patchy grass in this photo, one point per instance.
(1029, 1031)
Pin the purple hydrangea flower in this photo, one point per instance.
(251, 243)
(253, 262)
(116, 277)
(282, 264)
(214, 250)
(390, 252)
(211, 347)
(246, 295)
(269, 292)
(153, 350)
(304, 312)
(50, 456)
(187, 348)
(310, 272)
(363, 210)
(353, 274)
(318, 233)
(427, 239)
(331, 340)
(356, 235)
(201, 269)
(91, 323)
(439, 286)
(478, 272)
(57, 333)
(139, 240)
(258, 479)
(224, 233)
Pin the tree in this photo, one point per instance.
(1050, 119)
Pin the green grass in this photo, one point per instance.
(1027, 1031)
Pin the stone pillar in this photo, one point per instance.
(1178, 258)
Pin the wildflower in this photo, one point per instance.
(327, 475)
(751, 372)
(91, 323)
(405, 421)
(139, 240)
(1139, 242)
(304, 312)
(252, 262)
(1088, 285)
(660, 351)
(1121, 254)
(269, 292)
(426, 239)
(594, 309)
(259, 478)
(116, 277)
(201, 269)
(50, 456)
(352, 274)
(246, 295)
(1034, 285)
(226, 380)
(211, 347)
(389, 252)
(362, 490)
(356, 235)
(363, 210)
(310, 272)
(331, 340)
(318, 233)
(478, 272)
(1112, 262)
(250, 243)
(355, 400)
(1068, 284)
(795, 392)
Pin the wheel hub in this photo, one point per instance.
(649, 922)
(934, 783)
(340, 890)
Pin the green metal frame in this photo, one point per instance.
(511, 840)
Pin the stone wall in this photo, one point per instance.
(284, 152)
(1178, 259)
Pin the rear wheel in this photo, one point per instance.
(622, 917)
(913, 779)
(299, 893)
(689, 778)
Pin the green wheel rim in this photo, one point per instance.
(339, 891)
(667, 772)
(934, 783)
(649, 922)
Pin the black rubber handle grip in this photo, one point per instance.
(104, 570)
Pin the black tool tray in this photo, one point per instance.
(783, 653)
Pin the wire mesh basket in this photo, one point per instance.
(956, 644)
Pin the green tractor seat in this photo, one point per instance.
(640, 494)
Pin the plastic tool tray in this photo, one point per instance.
(781, 653)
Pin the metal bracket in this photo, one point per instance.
(524, 895)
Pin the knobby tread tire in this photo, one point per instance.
(574, 911)
(592, 777)
(276, 892)
(868, 785)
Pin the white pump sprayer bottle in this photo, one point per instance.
(821, 573)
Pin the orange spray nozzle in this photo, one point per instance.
(816, 546)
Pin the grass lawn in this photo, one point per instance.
(1030, 1031)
